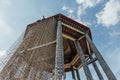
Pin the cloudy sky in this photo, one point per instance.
(102, 16)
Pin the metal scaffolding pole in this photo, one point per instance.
(97, 69)
(78, 75)
(102, 62)
(59, 63)
(73, 74)
(84, 62)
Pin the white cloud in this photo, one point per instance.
(114, 33)
(67, 9)
(110, 15)
(88, 3)
(64, 7)
(70, 11)
(2, 53)
(84, 5)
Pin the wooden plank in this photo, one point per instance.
(81, 37)
(68, 37)
(68, 26)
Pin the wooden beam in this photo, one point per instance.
(68, 37)
(68, 26)
(73, 62)
(81, 37)
(75, 59)
(36, 47)
(67, 65)
(43, 45)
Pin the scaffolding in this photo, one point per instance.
(51, 47)
(33, 58)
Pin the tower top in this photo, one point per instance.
(71, 31)
(67, 20)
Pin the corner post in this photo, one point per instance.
(59, 59)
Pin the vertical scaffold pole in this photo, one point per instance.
(59, 60)
(78, 75)
(73, 74)
(84, 62)
(97, 69)
(102, 62)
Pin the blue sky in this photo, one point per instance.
(102, 16)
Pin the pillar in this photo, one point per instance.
(84, 62)
(102, 62)
(59, 60)
(73, 74)
(77, 73)
(97, 69)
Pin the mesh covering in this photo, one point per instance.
(11, 51)
(34, 64)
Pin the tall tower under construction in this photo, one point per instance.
(52, 46)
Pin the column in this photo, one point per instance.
(97, 69)
(102, 62)
(73, 74)
(84, 62)
(77, 73)
(59, 60)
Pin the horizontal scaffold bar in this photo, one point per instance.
(36, 47)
